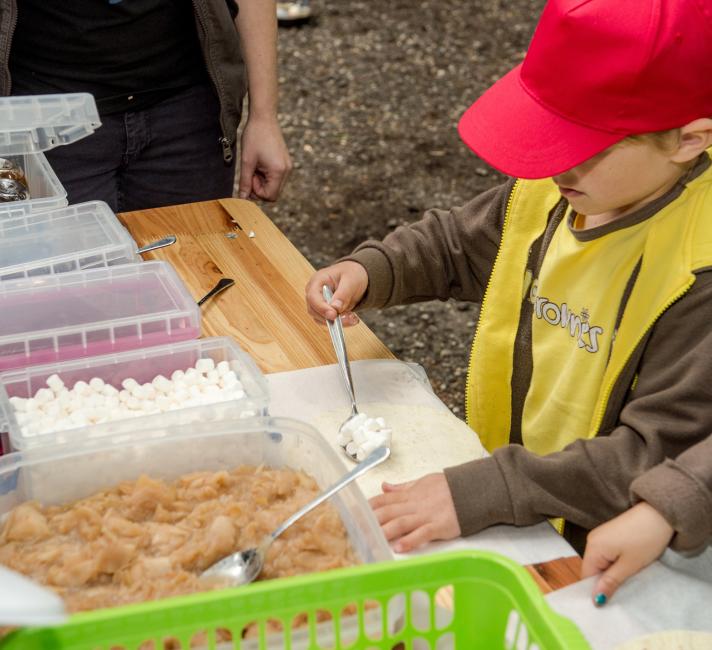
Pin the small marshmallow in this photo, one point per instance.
(96, 384)
(55, 383)
(44, 395)
(204, 365)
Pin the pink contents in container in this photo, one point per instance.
(99, 311)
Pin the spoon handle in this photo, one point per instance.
(336, 330)
(161, 243)
(376, 457)
(223, 283)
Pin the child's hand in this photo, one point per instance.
(348, 281)
(623, 546)
(415, 513)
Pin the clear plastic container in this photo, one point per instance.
(142, 365)
(59, 474)
(34, 123)
(85, 235)
(59, 317)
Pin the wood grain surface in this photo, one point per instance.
(265, 311)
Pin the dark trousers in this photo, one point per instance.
(166, 154)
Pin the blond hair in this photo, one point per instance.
(663, 140)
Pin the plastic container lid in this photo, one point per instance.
(83, 313)
(32, 123)
(81, 236)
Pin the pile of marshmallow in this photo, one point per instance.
(362, 434)
(58, 408)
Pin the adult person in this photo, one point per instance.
(169, 78)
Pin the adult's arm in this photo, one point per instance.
(264, 159)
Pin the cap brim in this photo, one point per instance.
(515, 134)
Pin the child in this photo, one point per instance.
(674, 507)
(614, 243)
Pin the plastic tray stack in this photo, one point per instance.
(74, 238)
(55, 318)
(32, 124)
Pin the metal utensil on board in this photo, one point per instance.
(160, 243)
(223, 283)
(336, 331)
(244, 566)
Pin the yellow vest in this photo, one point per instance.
(568, 342)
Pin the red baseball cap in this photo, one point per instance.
(596, 72)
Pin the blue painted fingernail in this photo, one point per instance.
(600, 600)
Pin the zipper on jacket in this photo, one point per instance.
(224, 141)
(6, 57)
(601, 410)
(468, 380)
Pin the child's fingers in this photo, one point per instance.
(401, 526)
(595, 561)
(395, 487)
(388, 498)
(316, 305)
(418, 537)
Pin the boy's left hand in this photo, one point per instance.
(415, 513)
(621, 547)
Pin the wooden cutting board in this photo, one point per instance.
(265, 311)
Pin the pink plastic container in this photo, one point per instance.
(84, 313)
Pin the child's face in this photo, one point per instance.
(620, 179)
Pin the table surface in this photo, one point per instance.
(265, 310)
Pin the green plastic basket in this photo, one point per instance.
(493, 604)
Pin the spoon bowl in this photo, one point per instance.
(245, 566)
(26, 603)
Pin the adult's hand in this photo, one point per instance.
(264, 160)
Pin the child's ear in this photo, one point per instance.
(695, 137)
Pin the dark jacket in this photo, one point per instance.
(221, 50)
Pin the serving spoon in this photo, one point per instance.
(244, 566)
(26, 603)
(336, 331)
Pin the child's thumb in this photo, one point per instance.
(610, 580)
(343, 297)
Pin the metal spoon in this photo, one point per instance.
(244, 566)
(336, 330)
(160, 243)
(223, 283)
(26, 603)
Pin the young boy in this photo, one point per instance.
(674, 507)
(591, 359)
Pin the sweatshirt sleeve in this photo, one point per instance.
(447, 254)
(681, 491)
(589, 481)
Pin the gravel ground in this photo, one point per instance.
(371, 94)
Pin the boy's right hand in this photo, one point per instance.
(348, 280)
